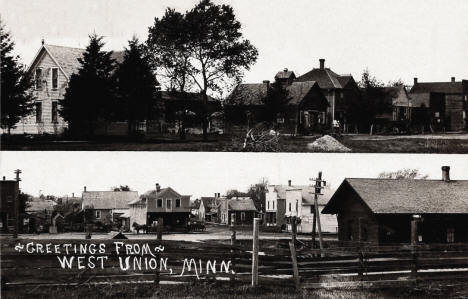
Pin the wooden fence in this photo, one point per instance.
(191, 261)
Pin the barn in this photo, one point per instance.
(387, 211)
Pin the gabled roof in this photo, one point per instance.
(187, 96)
(108, 199)
(285, 74)
(298, 90)
(163, 193)
(326, 78)
(439, 87)
(39, 205)
(66, 58)
(241, 204)
(389, 196)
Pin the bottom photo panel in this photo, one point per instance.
(236, 225)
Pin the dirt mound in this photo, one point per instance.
(327, 144)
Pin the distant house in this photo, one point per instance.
(340, 91)
(442, 105)
(285, 201)
(304, 111)
(381, 210)
(51, 69)
(109, 207)
(167, 204)
(243, 209)
(208, 209)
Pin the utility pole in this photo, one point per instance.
(318, 188)
(16, 204)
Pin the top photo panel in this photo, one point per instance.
(252, 76)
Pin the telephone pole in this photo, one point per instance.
(16, 204)
(318, 188)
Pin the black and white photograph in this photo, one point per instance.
(233, 149)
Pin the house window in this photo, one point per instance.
(242, 216)
(268, 205)
(297, 206)
(273, 205)
(159, 203)
(363, 230)
(54, 78)
(38, 78)
(98, 214)
(168, 204)
(177, 203)
(38, 112)
(54, 112)
(450, 235)
(289, 207)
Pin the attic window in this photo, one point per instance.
(38, 78)
(159, 203)
(54, 78)
(177, 203)
(169, 204)
(98, 214)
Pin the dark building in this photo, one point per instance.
(340, 91)
(381, 210)
(9, 191)
(440, 105)
(298, 107)
(243, 209)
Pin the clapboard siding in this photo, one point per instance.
(46, 96)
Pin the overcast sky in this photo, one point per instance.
(394, 39)
(203, 174)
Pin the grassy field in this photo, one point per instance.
(448, 143)
(219, 290)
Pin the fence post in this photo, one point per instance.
(233, 229)
(293, 230)
(361, 264)
(255, 253)
(414, 242)
(159, 228)
(297, 279)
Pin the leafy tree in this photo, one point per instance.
(210, 40)
(235, 193)
(16, 84)
(257, 193)
(90, 95)
(137, 86)
(24, 200)
(276, 101)
(403, 174)
(121, 188)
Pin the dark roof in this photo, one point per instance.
(241, 204)
(248, 94)
(187, 96)
(345, 79)
(163, 193)
(108, 199)
(389, 196)
(37, 205)
(439, 87)
(326, 78)
(251, 94)
(285, 74)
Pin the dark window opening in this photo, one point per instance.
(38, 112)
(54, 112)
(168, 204)
(159, 203)
(54, 78)
(38, 78)
(177, 203)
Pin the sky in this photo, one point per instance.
(394, 39)
(205, 173)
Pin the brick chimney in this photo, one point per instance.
(453, 79)
(158, 187)
(415, 80)
(285, 70)
(322, 63)
(84, 188)
(446, 173)
(289, 183)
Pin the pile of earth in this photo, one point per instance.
(327, 144)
